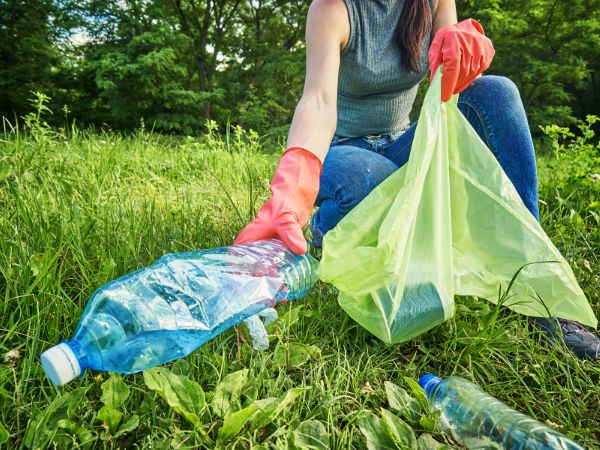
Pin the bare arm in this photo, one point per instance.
(445, 14)
(315, 118)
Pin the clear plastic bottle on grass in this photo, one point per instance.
(165, 311)
(484, 422)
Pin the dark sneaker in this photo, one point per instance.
(579, 339)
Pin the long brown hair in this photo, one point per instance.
(413, 27)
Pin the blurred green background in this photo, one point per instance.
(177, 63)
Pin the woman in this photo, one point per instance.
(351, 130)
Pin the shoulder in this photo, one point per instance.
(333, 8)
(328, 18)
(437, 3)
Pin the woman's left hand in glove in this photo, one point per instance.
(465, 52)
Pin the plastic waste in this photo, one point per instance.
(481, 421)
(257, 330)
(449, 222)
(165, 311)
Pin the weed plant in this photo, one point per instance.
(81, 208)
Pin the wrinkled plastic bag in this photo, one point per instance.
(256, 328)
(448, 222)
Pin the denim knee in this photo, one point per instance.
(492, 90)
(349, 174)
(493, 106)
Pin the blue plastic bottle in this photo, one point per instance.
(165, 311)
(483, 422)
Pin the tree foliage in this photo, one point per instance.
(177, 63)
(550, 49)
(29, 57)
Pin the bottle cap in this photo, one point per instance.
(429, 382)
(60, 364)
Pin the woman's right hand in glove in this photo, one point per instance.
(294, 190)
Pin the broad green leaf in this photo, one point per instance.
(4, 434)
(114, 391)
(311, 435)
(376, 433)
(64, 406)
(42, 425)
(269, 409)
(84, 436)
(111, 417)
(185, 396)
(181, 367)
(418, 393)
(430, 421)
(227, 394)
(427, 442)
(403, 402)
(234, 422)
(184, 440)
(265, 409)
(129, 426)
(292, 355)
(287, 318)
(399, 430)
(250, 392)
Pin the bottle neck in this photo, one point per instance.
(298, 272)
(81, 357)
(431, 385)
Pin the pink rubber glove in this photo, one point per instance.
(465, 52)
(294, 190)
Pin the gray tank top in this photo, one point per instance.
(375, 92)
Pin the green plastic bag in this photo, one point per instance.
(448, 222)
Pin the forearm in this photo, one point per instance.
(445, 14)
(313, 125)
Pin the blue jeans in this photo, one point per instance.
(354, 166)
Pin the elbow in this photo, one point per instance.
(319, 101)
(322, 106)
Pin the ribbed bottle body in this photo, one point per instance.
(484, 422)
(165, 311)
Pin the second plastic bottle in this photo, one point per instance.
(484, 422)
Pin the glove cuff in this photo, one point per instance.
(470, 24)
(295, 185)
(312, 160)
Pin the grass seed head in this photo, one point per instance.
(12, 356)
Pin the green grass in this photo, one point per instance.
(78, 211)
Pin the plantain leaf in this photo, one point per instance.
(227, 394)
(376, 433)
(269, 409)
(403, 402)
(292, 355)
(111, 417)
(234, 422)
(427, 442)
(185, 396)
(129, 426)
(114, 391)
(84, 436)
(399, 430)
(311, 435)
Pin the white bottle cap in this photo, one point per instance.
(60, 364)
